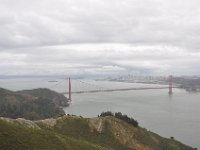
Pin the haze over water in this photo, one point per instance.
(175, 115)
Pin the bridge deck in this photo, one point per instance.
(113, 90)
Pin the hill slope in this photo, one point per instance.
(32, 104)
(77, 133)
(58, 99)
(17, 135)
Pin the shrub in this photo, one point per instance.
(120, 116)
(107, 113)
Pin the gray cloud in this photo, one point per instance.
(99, 36)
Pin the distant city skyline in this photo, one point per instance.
(99, 37)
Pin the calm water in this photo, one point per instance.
(175, 115)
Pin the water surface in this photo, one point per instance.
(175, 115)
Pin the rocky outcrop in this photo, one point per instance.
(22, 121)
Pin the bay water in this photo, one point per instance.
(170, 116)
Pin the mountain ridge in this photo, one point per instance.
(77, 133)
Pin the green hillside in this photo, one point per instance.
(77, 133)
(14, 136)
(31, 104)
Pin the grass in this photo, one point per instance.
(73, 133)
(79, 128)
(17, 137)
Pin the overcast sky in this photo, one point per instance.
(99, 37)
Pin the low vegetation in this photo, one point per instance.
(77, 133)
(18, 137)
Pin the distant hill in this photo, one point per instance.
(31, 104)
(77, 133)
(58, 99)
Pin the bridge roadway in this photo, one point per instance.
(113, 90)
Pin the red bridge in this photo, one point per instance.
(169, 87)
(113, 90)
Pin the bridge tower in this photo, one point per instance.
(170, 84)
(70, 92)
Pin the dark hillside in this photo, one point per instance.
(58, 99)
(19, 105)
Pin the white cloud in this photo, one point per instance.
(102, 36)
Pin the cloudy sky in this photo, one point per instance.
(99, 37)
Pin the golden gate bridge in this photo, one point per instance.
(69, 92)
